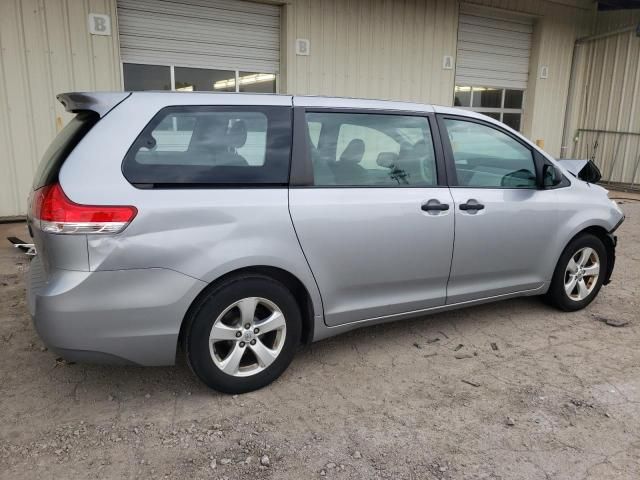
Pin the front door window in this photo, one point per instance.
(485, 157)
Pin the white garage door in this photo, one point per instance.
(493, 52)
(492, 63)
(229, 43)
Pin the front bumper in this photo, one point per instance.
(118, 316)
(611, 258)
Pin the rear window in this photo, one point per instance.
(61, 147)
(212, 146)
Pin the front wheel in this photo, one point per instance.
(244, 334)
(579, 273)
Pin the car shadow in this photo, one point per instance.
(422, 329)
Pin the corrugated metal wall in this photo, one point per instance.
(616, 19)
(46, 49)
(393, 49)
(608, 96)
(382, 49)
(364, 48)
(556, 27)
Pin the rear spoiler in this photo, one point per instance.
(99, 102)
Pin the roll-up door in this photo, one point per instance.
(216, 34)
(493, 51)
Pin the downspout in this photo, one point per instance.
(570, 101)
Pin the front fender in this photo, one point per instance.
(583, 207)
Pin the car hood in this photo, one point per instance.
(574, 166)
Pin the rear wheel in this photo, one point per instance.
(579, 273)
(244, 334)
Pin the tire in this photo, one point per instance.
(261, 357)
(566, 291)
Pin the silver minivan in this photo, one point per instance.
(239, 226)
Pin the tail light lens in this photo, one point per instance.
(52, 210)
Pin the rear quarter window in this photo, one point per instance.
(212, 145)
(62, 146)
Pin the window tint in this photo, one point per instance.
(62, 146)
(212, 145)
(487, 97)
(314, 132)
(513, 98)
(462, 96)
(371, 150)
(139, 77)
(486, 157)
(512, 120)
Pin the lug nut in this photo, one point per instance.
(242, 344)
(238, 334)
(253, 342)
(256, 330)
(247, 326)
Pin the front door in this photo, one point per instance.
(503, 221)
(374, 222)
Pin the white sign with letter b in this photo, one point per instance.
(99, 24)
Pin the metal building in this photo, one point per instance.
(605, 98)
(510, 59)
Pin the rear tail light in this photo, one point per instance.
(52, 210)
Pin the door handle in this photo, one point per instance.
(471, 206)
(432, 206)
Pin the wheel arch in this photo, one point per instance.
(609, 244)
(289, 280)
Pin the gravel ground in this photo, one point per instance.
(513, 390)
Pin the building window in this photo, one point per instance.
(138, 77)
(203, 80)
(503, 104)
(257, 82)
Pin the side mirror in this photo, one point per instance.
(551, 176)
(590, 173)
(585, 170)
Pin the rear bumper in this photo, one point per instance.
(119, 316)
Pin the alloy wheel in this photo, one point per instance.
(247, 336)
(581, 274)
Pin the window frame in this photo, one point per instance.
(501, 110)
(302, 175)
(163, 112)
(452, 175)
(172, 73)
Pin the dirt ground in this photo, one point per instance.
(513, 390)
